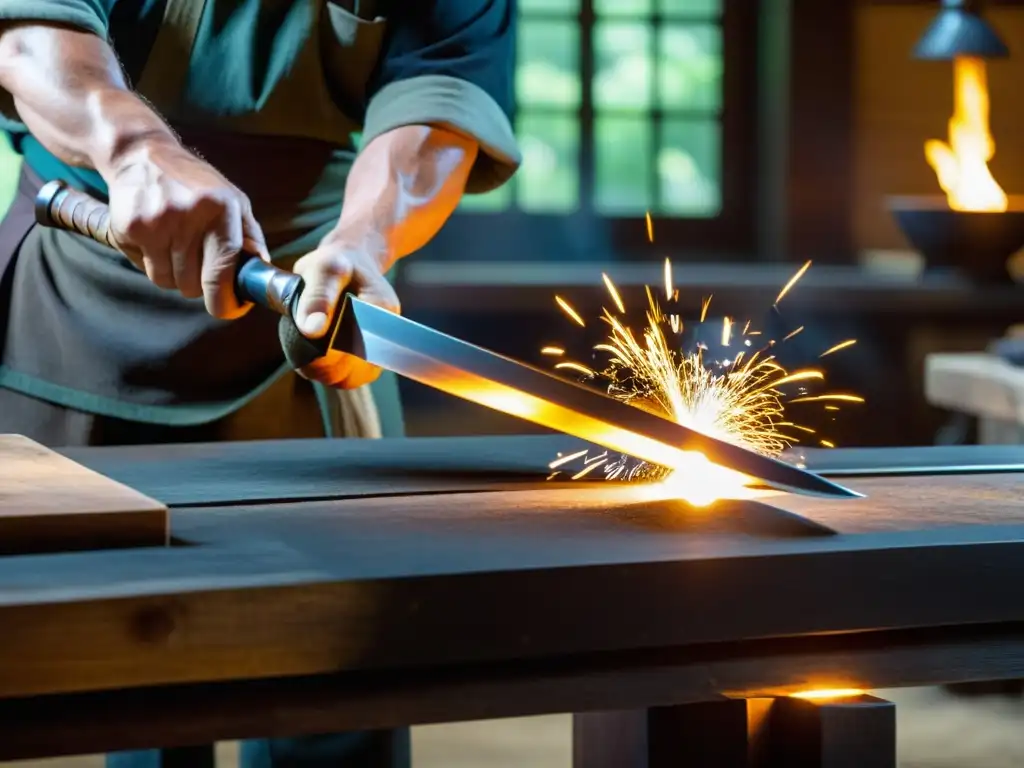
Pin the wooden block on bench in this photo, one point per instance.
(978, 383)
(49, 503)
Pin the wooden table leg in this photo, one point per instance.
(853, 732)
(706, 735)
(857, 732)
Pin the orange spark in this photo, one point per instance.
(791, 334)
(837, 347)
(704, 307)
(817, 398)
(792, 282)
(567, 308)
(576, 367)
(588, 469)
(613, 292)
(566, 459)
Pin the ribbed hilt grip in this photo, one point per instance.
(64, 207)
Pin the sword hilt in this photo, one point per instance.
(60, 206)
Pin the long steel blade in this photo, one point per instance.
(440, 361)
(458, 368)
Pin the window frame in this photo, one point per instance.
(587, 235)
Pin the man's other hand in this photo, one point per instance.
(334, 267)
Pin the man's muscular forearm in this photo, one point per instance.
(70, 91)
(402, 188)
(176, 217)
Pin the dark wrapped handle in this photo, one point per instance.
(61, 206)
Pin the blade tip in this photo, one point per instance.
(847, 493)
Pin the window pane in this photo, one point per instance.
(548, 64)
(624, 7)
(497, 200)
(548, 181)
(690, 67)
(623, 165)
(624, 68)
(689, 168)
(550, 7)
(692, 9)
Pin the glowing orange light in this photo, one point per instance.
(961, 165)
(828, 693)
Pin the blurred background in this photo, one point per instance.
(758, 135)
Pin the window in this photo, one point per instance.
(638, 84)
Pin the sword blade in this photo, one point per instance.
(472, 373)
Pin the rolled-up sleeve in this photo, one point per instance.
(87, 15)
(451, 63)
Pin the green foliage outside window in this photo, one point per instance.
(673, 68)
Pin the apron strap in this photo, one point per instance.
(163, 78)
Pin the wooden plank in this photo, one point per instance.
(49, 503)
(978, 384)
(183, 715)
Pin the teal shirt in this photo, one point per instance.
(311, 69)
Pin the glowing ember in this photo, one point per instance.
(831, 693)
(739, 400)
(962, 164)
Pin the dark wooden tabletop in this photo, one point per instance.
(385, 582)
(258, 589)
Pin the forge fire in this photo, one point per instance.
(961, 163)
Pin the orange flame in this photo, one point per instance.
(962, 164)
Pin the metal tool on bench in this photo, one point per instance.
(443, 362)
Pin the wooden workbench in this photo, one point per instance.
(322, 585)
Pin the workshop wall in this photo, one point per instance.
(900, 102)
